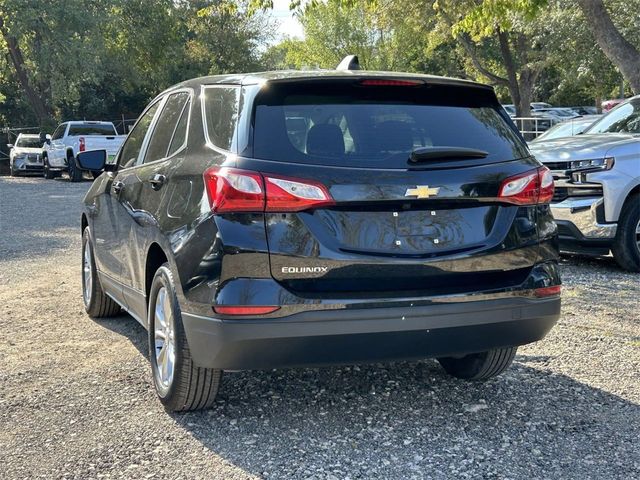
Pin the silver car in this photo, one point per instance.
(597, 201)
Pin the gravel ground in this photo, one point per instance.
(76, 400)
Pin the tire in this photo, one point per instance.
(12, 171)
(46, 171)
(626, 246)
(181, 386)
(75, 174)
(97, 303)
(479, 366)
(95, 174)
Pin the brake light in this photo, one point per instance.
(233, 190)
(547, 291)
(244, 309)
(81, 144)
(377, 82)
(529, 188)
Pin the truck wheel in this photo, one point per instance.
(46, 171)
(179, 383)
(479, 366)
(75, 175)
(97, 303)
(626, 246)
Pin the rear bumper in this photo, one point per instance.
(580, 228)
(349, 336)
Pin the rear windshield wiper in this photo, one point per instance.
(424, 154)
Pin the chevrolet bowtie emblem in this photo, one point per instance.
(421, 191)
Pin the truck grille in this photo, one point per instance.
(563, 192)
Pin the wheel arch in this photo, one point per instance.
(622, 199)
(84, 222)
(155, 258)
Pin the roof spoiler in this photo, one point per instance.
(350, 62)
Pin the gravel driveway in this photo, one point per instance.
(76, 400)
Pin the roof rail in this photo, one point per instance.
(350, 62)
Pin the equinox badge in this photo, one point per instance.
(304, 269)
(421, 191)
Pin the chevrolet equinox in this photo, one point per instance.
(287, 219)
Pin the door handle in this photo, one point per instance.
(117, 187)
(157, 181)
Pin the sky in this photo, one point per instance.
(288, 25)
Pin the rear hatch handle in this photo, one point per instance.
(424, 154)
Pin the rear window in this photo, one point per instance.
(348, 124)
(77, 130)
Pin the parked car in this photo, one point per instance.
(540, 105)
(559, 112)
(585, 110)
(597, 199)
(568, 128)
(398, 216)
(25, 155)
(510, 109)
(73, 137)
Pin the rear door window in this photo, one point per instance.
(349, 124)
(165, 127)
(220, 108)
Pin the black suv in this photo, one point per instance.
(312, 218)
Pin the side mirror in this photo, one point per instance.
(92, 160)
(10, 145)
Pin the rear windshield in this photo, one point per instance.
(75, 130)
(29, 142)
(349, 124)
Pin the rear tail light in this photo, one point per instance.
(547, 291)
(289, 195)
(81, 144)
(234, 190)
(529, 188)
(244, 309)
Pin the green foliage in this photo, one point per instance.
(107, 58)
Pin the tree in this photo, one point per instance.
(615, 46)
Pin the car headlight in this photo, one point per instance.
(597, 164)
(584, 167)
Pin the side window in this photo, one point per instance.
(221, 106)
(59, 133)
(165, 127)
(133, 143)
(180, 134)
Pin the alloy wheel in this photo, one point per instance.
(87, 274)
(164, 339)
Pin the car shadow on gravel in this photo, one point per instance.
(401, 418)
(410, 420)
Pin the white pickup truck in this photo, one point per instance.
(596, 204)
(70, 138)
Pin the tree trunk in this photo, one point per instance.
(37, 104)
(617, 49)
